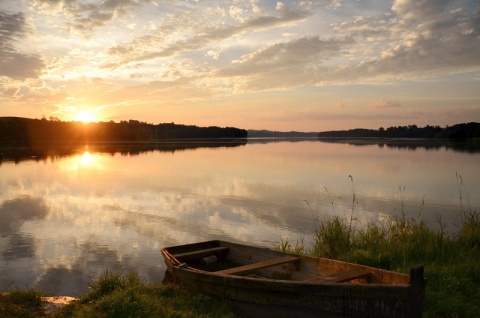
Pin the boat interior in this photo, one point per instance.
(233, 259)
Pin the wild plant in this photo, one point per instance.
(461, 190)
(354, 197)
(287, 247)
(111, 281)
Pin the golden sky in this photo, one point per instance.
(252, 64)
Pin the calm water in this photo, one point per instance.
(69, 213)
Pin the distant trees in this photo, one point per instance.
(466, 130)
(280, 134)
(25, 131)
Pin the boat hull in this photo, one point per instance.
(303, 298)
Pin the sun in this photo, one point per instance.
(86, 117)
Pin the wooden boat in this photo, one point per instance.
(264, 282)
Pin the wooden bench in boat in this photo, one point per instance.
(184, 257)
(341, 277)
(264, 264)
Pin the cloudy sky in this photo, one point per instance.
(253, 64)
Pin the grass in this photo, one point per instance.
(21, 303)
(117, 295)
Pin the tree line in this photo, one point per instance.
(458, 131)
(26, 131)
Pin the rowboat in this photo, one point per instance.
(262, 282)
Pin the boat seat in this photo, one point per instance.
(185, 257)
(264, 264)
(341, 277)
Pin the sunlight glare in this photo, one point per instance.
(86, 158)
(86, 117)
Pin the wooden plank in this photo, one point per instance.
(252, 267)
(200, 253)
(341, 277)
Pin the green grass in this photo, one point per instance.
(20, 303)
(117, 295)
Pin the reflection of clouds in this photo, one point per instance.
(17, 248)
(91, 262)
(14, 213)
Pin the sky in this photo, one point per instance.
(252, 64)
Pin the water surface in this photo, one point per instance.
(68, 213)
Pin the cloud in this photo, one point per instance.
(426, 38)
(286, 64)
(87, 16)
(419, 39)
(412, 9)
(320, 3)
(382, 104)
(169, 40)
(15, 64)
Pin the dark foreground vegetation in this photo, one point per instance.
(30, 132)
(459, 131)
(117, 295)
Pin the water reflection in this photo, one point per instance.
(86, 158)
(53, 152)
(68, 215)
(459, 145)
(18, 248)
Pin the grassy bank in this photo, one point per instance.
(117, 295)
(452, 260)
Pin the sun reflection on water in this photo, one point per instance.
(86, 159)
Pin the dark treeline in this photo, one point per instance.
(25, 131)
(280, 134)
(469, 130)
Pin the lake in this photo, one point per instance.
(70, 212)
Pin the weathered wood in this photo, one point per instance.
(341, 277)
(252, 267)
(287, 291)
(188, 256)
